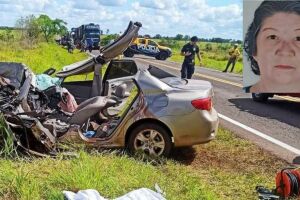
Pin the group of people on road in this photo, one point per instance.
(191, 49)
(85, 44)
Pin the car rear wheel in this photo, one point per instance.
(162, 55)
(150, 139)
(260, 97)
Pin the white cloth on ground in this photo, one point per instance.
(90, 194)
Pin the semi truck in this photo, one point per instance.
(86, 34)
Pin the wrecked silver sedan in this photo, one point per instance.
(146, 110)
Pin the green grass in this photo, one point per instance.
(7, 147)
(226, 168)
(40, 57)
(111, 175)
(233, 167)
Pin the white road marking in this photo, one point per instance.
(260, 134)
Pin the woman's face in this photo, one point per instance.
(278, 50)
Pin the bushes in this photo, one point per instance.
(208, 47)
(170, 43)
(7, 143)
(108, 38)
(7, 35)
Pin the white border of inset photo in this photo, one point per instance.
(277, 58)
(249, 7)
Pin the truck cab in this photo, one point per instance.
(148, 47)
(87, 33)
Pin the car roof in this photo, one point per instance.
(117, 47)
(81, 67)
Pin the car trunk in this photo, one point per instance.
(178, 83)
(188, 84)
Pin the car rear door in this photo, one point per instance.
(120, 74)
(119, 69)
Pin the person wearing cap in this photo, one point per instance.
(234, 54)
(188, 51)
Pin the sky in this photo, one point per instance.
(203, 18)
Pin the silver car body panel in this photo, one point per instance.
(172, 107)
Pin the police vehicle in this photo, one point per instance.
(148, 47)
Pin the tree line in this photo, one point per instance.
(187, 38)
(33, 29)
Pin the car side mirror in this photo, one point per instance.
(49, 71)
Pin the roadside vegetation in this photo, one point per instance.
(32, 43)
(226, 168)
(40, 57)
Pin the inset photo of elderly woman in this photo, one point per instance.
(271, 46)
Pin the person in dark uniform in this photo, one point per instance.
(188, 51)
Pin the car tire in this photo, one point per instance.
(162, 55)
(260, 97)
(128, 53)
(159, 144)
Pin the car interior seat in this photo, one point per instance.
(97, 104)
(89, 108)
(121, 92)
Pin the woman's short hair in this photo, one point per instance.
(266, 9)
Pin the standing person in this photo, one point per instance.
(233, 56)
(82, 44)
(70, 45)
(188, 51)
(89, 44)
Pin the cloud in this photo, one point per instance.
(9, 8)
(165, 17)
(112, 2)
(86, 4)
(34, 5)
(4, 1)
(154, 4)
